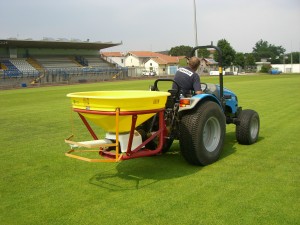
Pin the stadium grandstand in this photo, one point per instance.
(48, 61)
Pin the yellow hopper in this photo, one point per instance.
(109, 101)
(119, 112)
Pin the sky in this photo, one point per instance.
(155, 25)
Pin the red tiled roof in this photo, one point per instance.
(160, 61)
(209, 61)
(112, 54)
(142, 54)
(170, 59)
(157, 57)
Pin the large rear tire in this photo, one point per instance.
(202, 132)
(247, 129)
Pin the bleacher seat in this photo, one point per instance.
(96, 62)
(57, 62)
(24, 67)
(39, 65)
(12, 70)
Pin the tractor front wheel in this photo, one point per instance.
(202, 132)
(247, 128)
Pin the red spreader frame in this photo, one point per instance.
(115, 155)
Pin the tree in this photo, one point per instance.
(228, 53)
(181, 50)
(203, 53)
(264, 50)
(239, 60)
(291, 58)
(249, 62)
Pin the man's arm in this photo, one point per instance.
(197, 84)
(199, 92)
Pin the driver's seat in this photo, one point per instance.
(173, 98)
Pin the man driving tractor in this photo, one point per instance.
(188, 79)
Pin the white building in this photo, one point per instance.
(287, 68)
(117, 58)
(146, 60)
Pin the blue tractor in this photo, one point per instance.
(199, 121)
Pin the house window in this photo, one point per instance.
(150, 64)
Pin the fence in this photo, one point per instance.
(63, 76)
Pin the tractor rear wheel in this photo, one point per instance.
(201, 133)
(247, 129)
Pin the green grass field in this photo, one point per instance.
(257, 184)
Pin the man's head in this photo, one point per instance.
(194, 63)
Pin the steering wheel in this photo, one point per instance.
(203, 87)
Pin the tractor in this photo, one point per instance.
(199, 121)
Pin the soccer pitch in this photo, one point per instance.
(256, 184)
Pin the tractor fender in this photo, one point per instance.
(197, 99)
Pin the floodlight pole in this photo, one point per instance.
(291, 56)
(195, 28)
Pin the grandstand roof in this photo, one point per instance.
(64, 44)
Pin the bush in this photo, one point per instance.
(265, 68)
